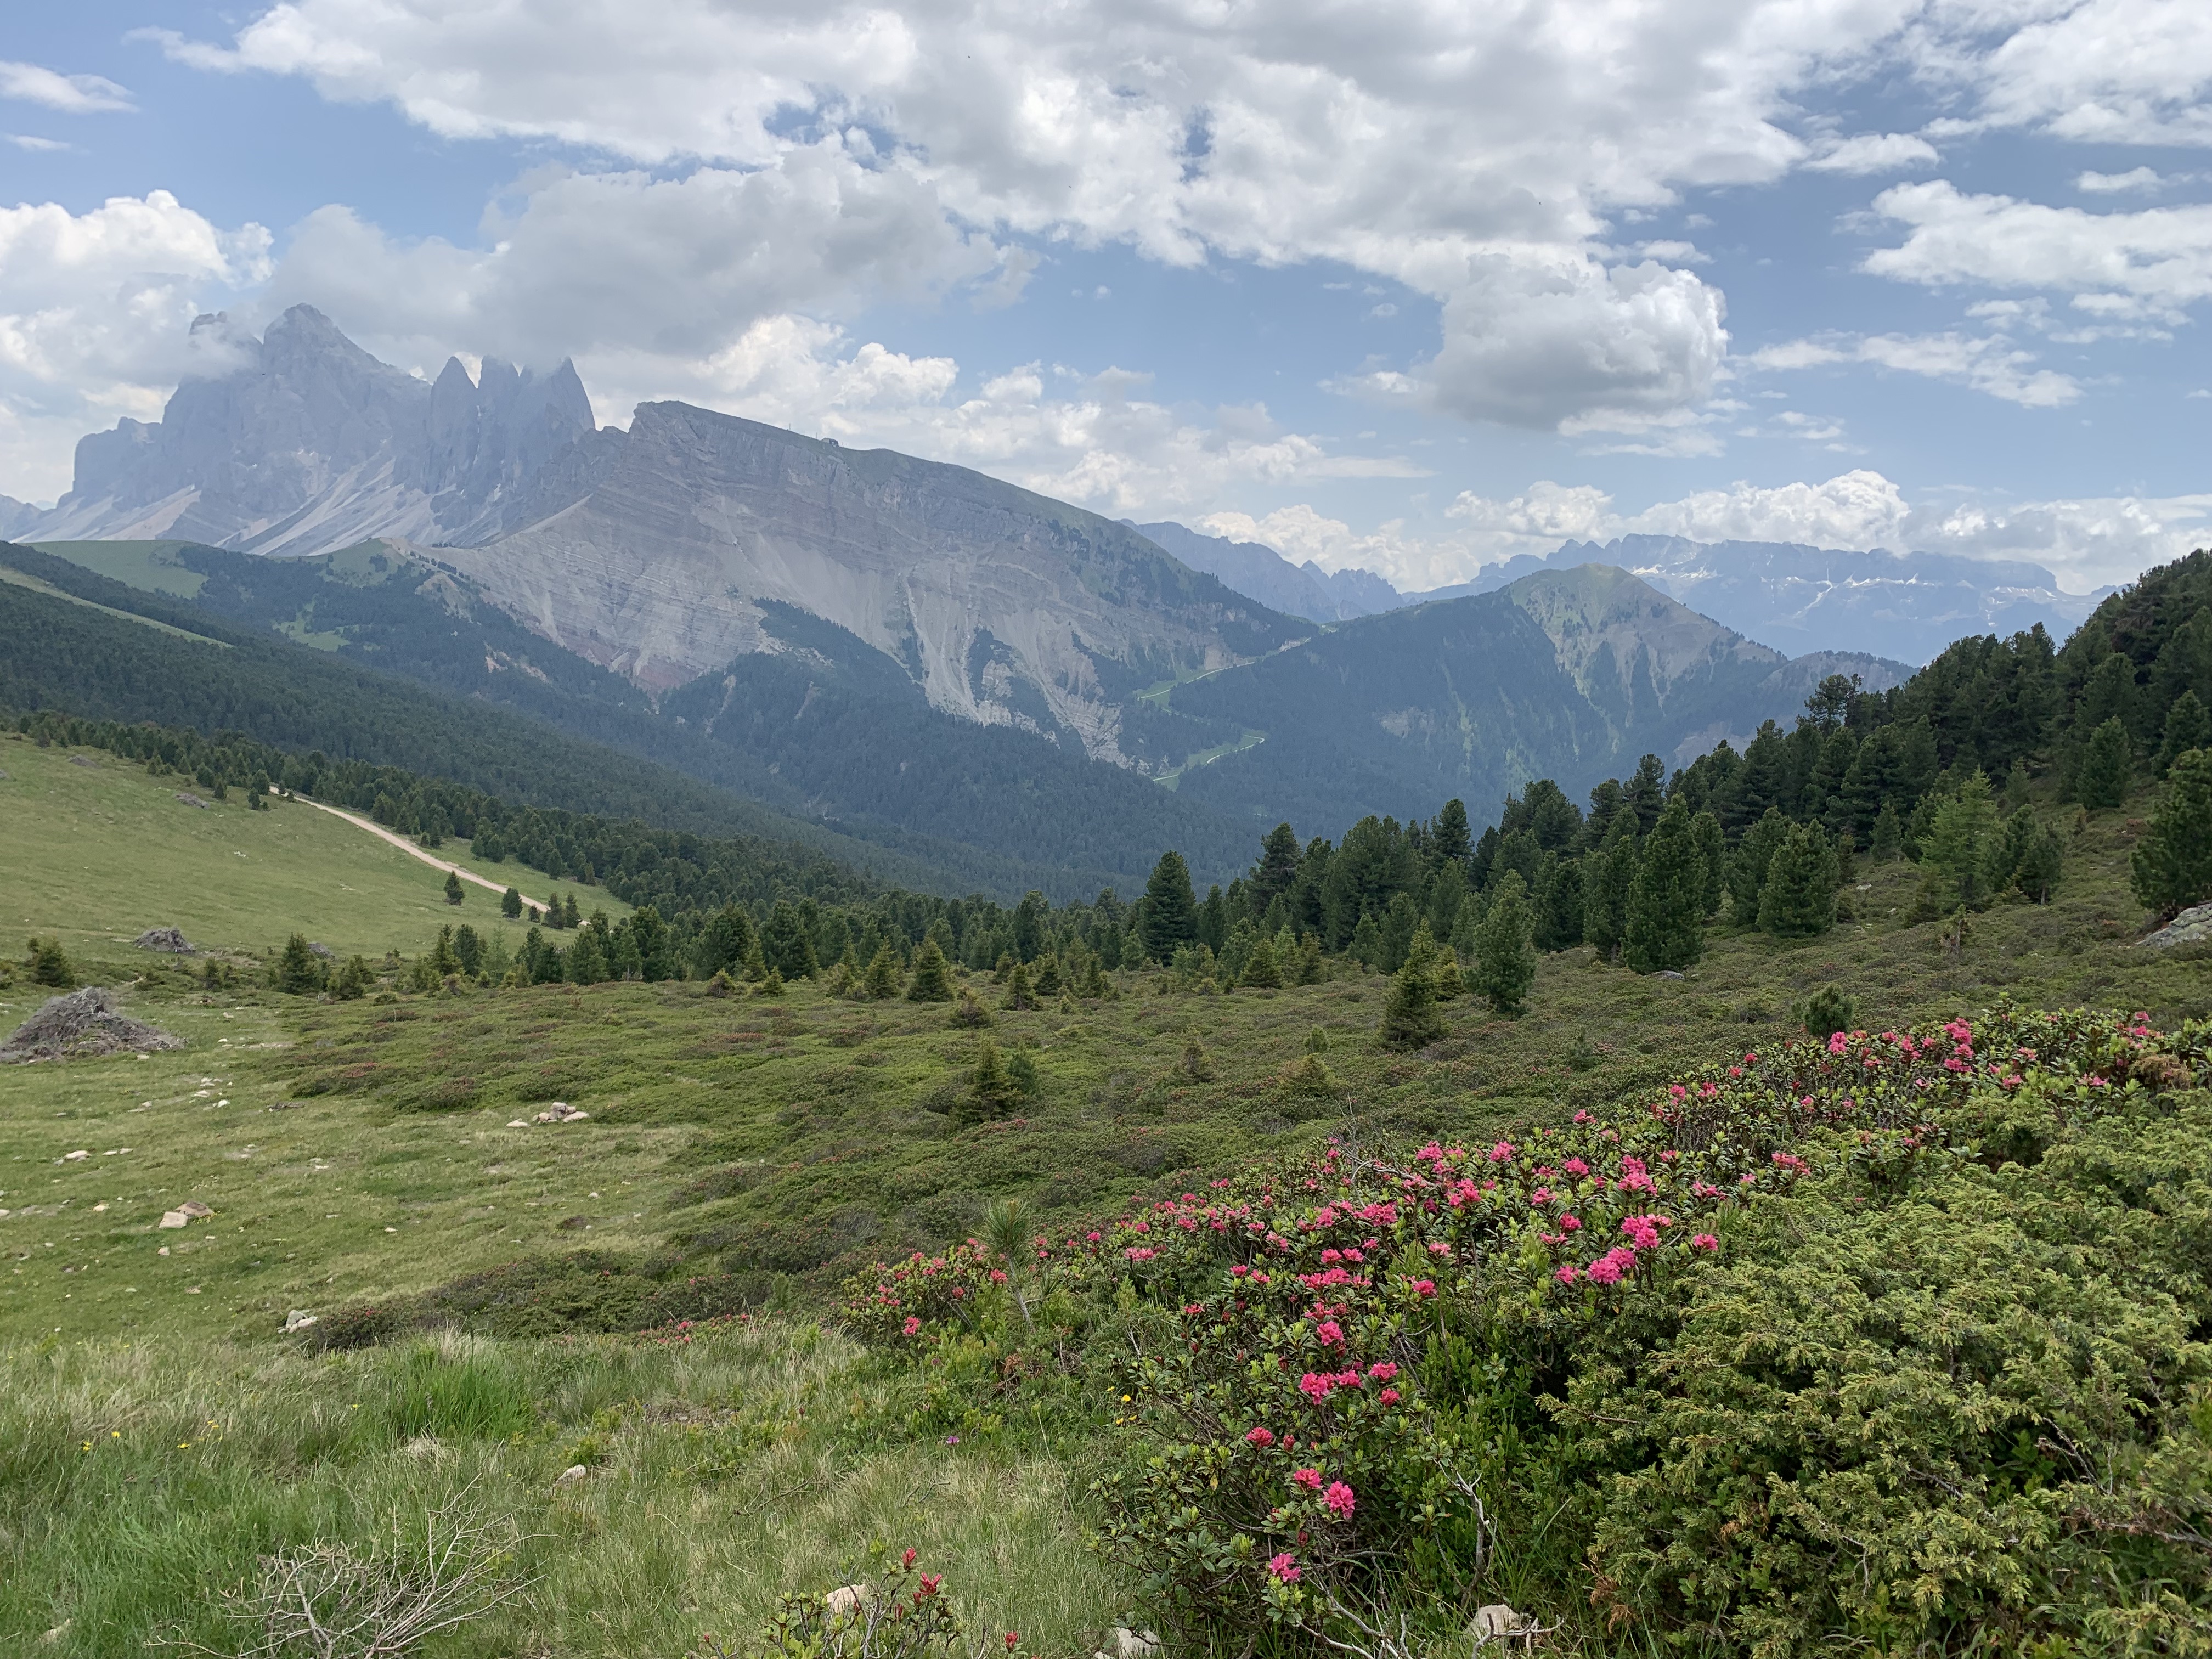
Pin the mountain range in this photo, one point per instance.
(905, 648)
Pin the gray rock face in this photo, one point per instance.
(1906, 606)
(2193, 926)
(303, 443)
(1261, 573)
(653, 552)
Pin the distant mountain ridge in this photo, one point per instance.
(1261, 573)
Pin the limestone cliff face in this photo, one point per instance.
(302, 442)
(651, 553)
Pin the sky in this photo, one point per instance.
(1395, 283)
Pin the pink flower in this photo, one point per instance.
(1705, 1242)
(1285, 1567)
(1329, 1333)
(1263, 1436)
(1338, 1497)
(1571, 1222)
(1309, 1479)
(1315, 1387)
(1609, 1269)
(1423, 1287)
(1383, 1371)
(1389, 1396)
(913, 1325)
(1567, 1273)
(1837, 1042)
(1574, 1166)
(998, 1277)
(1140, 1254)
(1501, 1152)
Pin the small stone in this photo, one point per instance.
(173, 1219)
(169, 939)
(1135, 1645)
(1495, 1623)
(298, 1320)
(569, 1476)
(80, 760)
(848, 1601)
(194, 1208)
(1666, 972)
(71, 1158)
(185, 798)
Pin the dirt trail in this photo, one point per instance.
(410, 848)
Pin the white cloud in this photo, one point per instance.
(2135, 180)
(1876, 152)
(2148, 263)
(2113, 72)
(95, 311)
(628, 262)
(1991, 363)
(73, 95)
(1093, 439)
(2085, 542)
(32, 142)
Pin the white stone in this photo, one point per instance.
(1495, 1623)
(569, 1476)
(298, 1320)
(173, 1219)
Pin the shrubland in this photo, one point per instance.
(1694, 1223)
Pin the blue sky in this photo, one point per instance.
(1399, 284)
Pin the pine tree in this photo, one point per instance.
(52, 969)
(1797, 900)
(1608, 878)
(510, 904)
(1505, 958)
(468, 945)
(1888, 834)
(1019, 995)
(1261, 970)
(2037, 875)
(1095, 987)
(2171, 868)
(991, 1090)
(1667, 900)
(444, 962)
(2107, 767)
(354, 981)
(880, 981)
(970, 1013)
(452, 887)
(1561, 908)
(1954, 860)
(585, 962)
(1278, 868)
(1410, 1019)
(1826, 1012)
(1366, 947)
(569, 913)
(1706, 834)
(771, 985)
(726, 941)
(1311, 970)
(1168, 913)
(1047, 978)
(785, 944)
(2187, 726)
(1448, 838)
(1747, 870)
(1451, 984)
(297, 971)
(932, 975)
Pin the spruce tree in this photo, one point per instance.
(1410, 1019)
(443, 961)
(1888, 834)
(1954, 860)
(585, 962)
(468, 945)
(1278, 868)
(1561, 908)
(2037, 875)
(785, 944)
(991, 1090)
(1366, 947)
(1797, 900)
(771, 985)
(297, 971)
(2107, 767)
(932, 975)
(1747, 869)
(2171, 868)
(510, 904)
(1048, 976)
(1311, 970)
(1261, 970)
(354, 981)
(452, 887)
(52, 969)
(1019, 994)
(1505, 955)
(1168, 913)
(1448, 838)
(1706, 834)
(568, 912)
(1667, 900)
(880, 981)
(1608, 878)
(2187, 726)
(970, 1013)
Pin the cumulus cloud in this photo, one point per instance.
(1095, 438)
(2150, 263)
(2113, 72)
(97, 308)
(73, 95)
(1991, 363)
(1875, 152)
(2085, 542)
(599, 262)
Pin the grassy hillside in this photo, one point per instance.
(98, 852)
